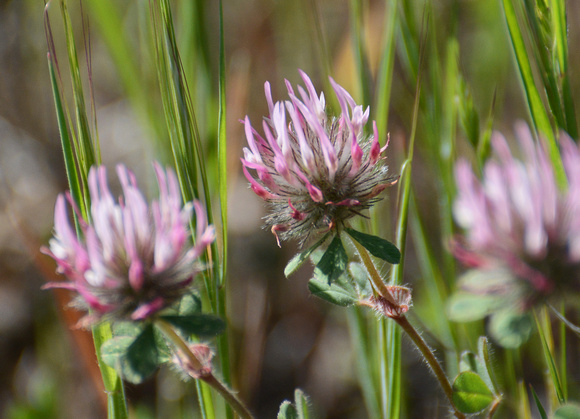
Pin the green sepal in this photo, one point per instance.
(378, 247)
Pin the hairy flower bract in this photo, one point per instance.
(315, 171)
(520, 224)
(133, 259)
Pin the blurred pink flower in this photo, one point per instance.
(518, 220)
(315, 171)
(133, 259)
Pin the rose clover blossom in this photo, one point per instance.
(314, 171)
(522, 229)
(133, 259)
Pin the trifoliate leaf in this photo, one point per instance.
(378, 247)
(135, 358)
(338, 292)
(333, 263)
(197, 324)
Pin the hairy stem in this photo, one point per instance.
(374, 277)
(430, 358)
(207, 377)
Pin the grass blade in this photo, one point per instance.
(540, 118)
(549, 358)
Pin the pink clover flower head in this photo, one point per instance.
(315, 171)
(518, 220)
(134, 258)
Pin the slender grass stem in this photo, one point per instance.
(208, 377)
(430, 358)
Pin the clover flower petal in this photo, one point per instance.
(518, 219)
(314, 171)
(134, 258)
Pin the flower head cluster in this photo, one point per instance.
(134, 259)
(315, 171)
(520, 221)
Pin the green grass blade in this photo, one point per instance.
(222, 150)
(223, 198)
(385, 74)
(205, 400)
(541, 409)
(67, 146)
(362, 339)
(560, 29)
(108, 20)
(85, 150)
(72, 149)
(536, 108)
(563, 357)
(117, 407)
(390, 340)
(549, 358)
(356, 9)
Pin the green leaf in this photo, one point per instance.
(142, 358)
(470, 394)
(333, 263)
(510, 329)
(377, 246)
(336, 293)
(298, 410)
(190, 304)
(287, 411)
(551, 364)
(297, 261)
(114, 350)
(468, 362)
(361, 279)
(464, 307)
(197, 324)
(568, 411)
(301, 400)
(536, 107)
(484, 363)
(127, 329)
(134, 358)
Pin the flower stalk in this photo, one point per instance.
(206, 375)
(396, 312)
(374, 277)
(431, 360)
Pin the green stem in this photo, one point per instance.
(374, 276)
(430, 358)
(208, 378)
